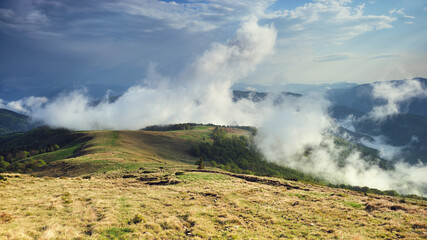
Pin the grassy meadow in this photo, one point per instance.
(144, 185)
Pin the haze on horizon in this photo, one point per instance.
(49, 45)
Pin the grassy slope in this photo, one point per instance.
(201, 205)
(113, 151)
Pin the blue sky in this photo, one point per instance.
(47, 45)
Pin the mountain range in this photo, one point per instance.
(397, 137)
(360, 98)
(405, 133)
(298, 88)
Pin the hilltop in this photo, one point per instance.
(145, 185)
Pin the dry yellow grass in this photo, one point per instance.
(202, 206)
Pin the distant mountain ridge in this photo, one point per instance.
(360, 98)
(406, 130)
(11, 122)
(259, 96)
(298, 88)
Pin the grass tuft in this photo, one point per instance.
(354, 205)
(116, 233)
(66, 198)
(138, 218)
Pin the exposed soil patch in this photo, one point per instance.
(165, 182)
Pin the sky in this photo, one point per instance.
(47, 46)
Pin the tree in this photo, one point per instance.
(3, 164)
(200, 163)
(21, 155)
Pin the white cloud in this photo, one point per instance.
(395, 93)
(401, 12)
(330, 21)
(201, 92)
(6, 13)
(316, 44)
(41, 18)
(353, 56)
(348, 123)
(386, 151)
(2, 103)
(124, 36)
(301, 141)
(25, 105)
(194, 16)
(176, 15)
(127, 35)
(335, 57)
(292, 128)
(297, 135)
(29, 20)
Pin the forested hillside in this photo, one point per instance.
(11, 122)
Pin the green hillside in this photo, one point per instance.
(59, 152)
(11, 122)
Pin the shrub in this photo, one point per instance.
(3, 164)
(137, 219)
(66, 198)
(2, 178)
(200, 163)
(5, 217)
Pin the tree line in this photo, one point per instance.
(16, 150)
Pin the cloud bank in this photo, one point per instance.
(201, 93)
(24, 105)
(334, 163)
